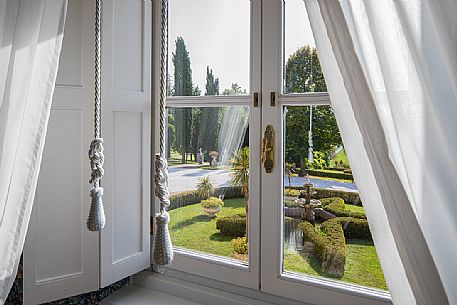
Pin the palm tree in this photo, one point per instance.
(290, 169)
(240, 176)
(205, 186)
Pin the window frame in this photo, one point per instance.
(208, 265)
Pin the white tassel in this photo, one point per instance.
(162, 251)
(96, 220)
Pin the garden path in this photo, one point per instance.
(185, 178)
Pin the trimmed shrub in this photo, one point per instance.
(355, 228)
(240, 245)
(336, 207)
(330, 174)
(291, 192)
(329, 246)
(181, 199)
(350, 197)
(212, 202)
(232, 225)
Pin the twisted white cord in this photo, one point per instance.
(161, 182)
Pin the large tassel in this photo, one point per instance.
(162, 251)
(96, 220)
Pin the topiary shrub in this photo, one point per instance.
(182, 199)
(348, 196)
(240, 245)
(335, 206)
(232, 225)
(329, 245)
(291, 193)
(355, 228)
(328, 174)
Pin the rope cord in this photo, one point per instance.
(97, 101)
(163, 72)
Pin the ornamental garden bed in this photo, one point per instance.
(191, 229)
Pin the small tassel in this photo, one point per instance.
(96, 219)
(162, 253)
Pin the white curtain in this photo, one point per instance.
(30, 42)
(391, 71)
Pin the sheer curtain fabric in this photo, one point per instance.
(391, 71)
(30, 42)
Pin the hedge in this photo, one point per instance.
(350, 197)
(355, 228)
(335, 206)
(329, 246)
(181, 199)
(329, 174)
(240, 245)
(234, 226)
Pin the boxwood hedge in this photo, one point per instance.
(234, 226)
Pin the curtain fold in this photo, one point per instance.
(31, 35)
(391, 72)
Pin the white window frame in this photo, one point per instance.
(310, 289)
(207, 265)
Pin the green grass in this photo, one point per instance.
(340, 156)
(354, 208)
(191, 228)
(362, 265)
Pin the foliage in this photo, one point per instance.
(291, 192)
(347, 196)
(235, 89)
(240, 175)
(329, 245)
(212, 202)
(336, 206)
(329, 174)
(353, 227)
(181, 199)
(240, 245)
(234, 226)
(289, 170)
(205, 186)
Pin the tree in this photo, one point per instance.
(235, 89)
(304, 74)
(240, 177)
(209, 116)
(183, 86)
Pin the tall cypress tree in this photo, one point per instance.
(183, 86)
(207, 139)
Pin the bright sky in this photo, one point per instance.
(215, 33)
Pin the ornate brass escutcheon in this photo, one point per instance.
(268, 149)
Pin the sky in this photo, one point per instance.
(216, 35)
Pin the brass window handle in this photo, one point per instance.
(267, 157)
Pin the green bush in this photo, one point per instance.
(240, 245)
(349, 197)
(354, 228)
(212, 202)
(232, 225)
(329, 245)
(181, 199)
(330, 174)
(291, 192)
(335, 206)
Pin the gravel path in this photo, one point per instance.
(185, 178)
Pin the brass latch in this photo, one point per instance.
(268, 149)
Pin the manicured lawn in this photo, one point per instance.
(191, 228)
(362, 265)
(354, 208)
(341, 156)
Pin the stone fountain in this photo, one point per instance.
(304, 201)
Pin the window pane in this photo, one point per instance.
(208, 157)
(326, 233)
(302, 71)
(209, 47)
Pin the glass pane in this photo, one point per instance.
(302, 70)
(208, 157)
(326, 232)
(209, 47)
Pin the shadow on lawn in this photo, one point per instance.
(190, 221)
(220, 237)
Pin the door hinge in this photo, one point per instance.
(272, 99)
(256, 99)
